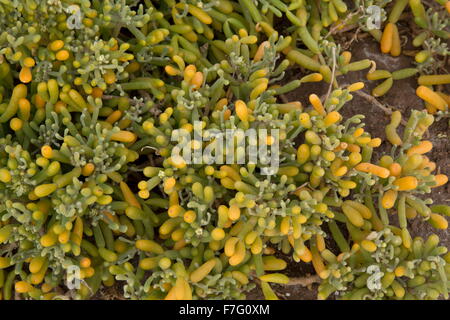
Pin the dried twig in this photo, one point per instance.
(343, 26)
(303, 185)
(333, 72)
(376, 103)
(303, 281)
(355, 37)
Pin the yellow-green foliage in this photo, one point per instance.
(92, 94)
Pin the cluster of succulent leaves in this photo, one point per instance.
(93, 193)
